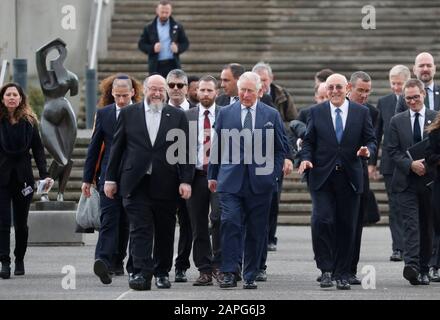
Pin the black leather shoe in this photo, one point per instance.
(261, 276)
(250, 285)
(412, 275)
(5, 272)
(228, 281)
(396, 256)
(434, 275)
(139, 282)
(353, 280)
(163, 283)
(424, 279)
(130, 276)
(342, 284)
(19, 268)
(180, 276)
(101, 270)
(326, 280)
(118, 269)
(271, 247)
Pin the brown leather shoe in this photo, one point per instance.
(205, 279)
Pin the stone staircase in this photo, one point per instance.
(297, 38)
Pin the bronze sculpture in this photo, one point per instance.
(58, 121)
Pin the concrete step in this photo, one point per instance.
(215, 25)
(287, 14)
(304, 197)
(198, 36)
(306, 208)
(305, 220)
(122, 48)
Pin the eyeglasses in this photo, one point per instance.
(171, 85)
(415, 98)
(338, 87)
(155, 89)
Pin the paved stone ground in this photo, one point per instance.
(291, 275)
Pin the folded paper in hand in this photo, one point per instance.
(418, 151)
(44, 186)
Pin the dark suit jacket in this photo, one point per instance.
(230, 175)
(387, 108)
(433, 152)
(321, 147)
(150, 36)
(374, 114)
(401, 106)
(105, 125)
(132, 146)
(401, 138)
(304, 114)
(21, 163)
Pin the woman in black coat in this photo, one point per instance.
(433, 160)
(18, 135)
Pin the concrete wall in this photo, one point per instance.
(21, 36)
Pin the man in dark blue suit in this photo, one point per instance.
(113, 234)
(339, 132)
(246, 158)
(411, 178)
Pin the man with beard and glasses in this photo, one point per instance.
(150, 184)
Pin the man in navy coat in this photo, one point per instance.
(339, 132)
(246, 158)
(111, 248)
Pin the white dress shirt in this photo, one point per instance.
(184, 105)
(153, 122)
(201, 137)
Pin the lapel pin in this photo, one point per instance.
(429, 121)
(167, 114)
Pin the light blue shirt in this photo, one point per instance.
(163, 32)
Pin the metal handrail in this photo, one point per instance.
(3, 71)
(92, 58)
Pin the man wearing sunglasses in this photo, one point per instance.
(339, 133)
(177, 89)
(410, 184)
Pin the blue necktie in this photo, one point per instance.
(339, 127)
(248, 120)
